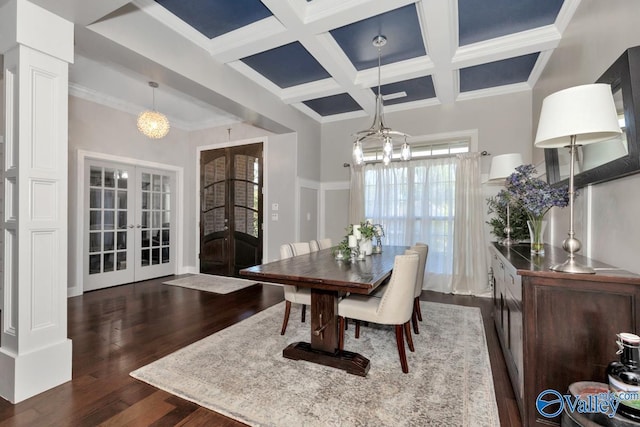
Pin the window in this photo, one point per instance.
(415, 200)
(423, 149)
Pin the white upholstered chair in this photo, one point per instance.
(317, 245)
(293, 294)
(394, 308)
(423, 252)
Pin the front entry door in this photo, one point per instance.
(231, 209)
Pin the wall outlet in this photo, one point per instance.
(275, 206)
(274, 217)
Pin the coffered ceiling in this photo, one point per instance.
(318, 56)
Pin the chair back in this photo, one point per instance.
(316, 245)
(396, 305)
(423, 251)
(289, 250)
(325, 243)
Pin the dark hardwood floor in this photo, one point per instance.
(120, 329)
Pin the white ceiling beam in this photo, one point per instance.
(493, 91)
(538, 67)
(312, 90)
(81, 12)
(397, 71)
(172, 22)
(254, 38)
(522, 43)
(326, 15)
(439, 19)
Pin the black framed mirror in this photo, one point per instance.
(616, 157)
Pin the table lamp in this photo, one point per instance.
(569, 118)
(501, 167)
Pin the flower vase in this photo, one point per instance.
(366, 246)
(536, 234)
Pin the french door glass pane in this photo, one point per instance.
(95, 264)
(95, 198)
(108, 262)
(122, 240)
(109, 178)
(122, 260)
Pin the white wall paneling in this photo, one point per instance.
(35, 354)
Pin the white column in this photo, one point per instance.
(35, 354)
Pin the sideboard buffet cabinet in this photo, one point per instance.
(558, 328)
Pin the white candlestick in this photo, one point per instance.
(356, 231)
(352, 241)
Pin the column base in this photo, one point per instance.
(25, 375)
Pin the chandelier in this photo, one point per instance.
(151, 123)
(378, 132)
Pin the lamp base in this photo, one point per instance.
(508, 241)
(571, 266)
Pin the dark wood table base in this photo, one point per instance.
(353, 363)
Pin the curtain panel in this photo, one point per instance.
(430, 201)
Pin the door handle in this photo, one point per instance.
(225, 228)
(130, 225)
(138, 226)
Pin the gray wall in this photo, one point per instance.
(606, 214)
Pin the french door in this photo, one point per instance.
(129, 224)
(230, 209)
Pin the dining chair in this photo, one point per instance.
(394, 308)
(293, 294)
(423, 251)
(317, 245)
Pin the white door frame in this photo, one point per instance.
(265, 223)
(81, 157)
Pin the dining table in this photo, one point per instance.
(329, 280)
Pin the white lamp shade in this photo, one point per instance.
(504, 165)
(587, 111)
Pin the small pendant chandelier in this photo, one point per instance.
(151, 123)
(378, 132)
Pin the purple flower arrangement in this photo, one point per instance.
(534, 195)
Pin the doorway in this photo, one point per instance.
(129, 224)
(231, 209)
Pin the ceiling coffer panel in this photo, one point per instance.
(214, 18)
(401, 27)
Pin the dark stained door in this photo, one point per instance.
(231, 209)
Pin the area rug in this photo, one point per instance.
(240, 372)
(212, 283)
